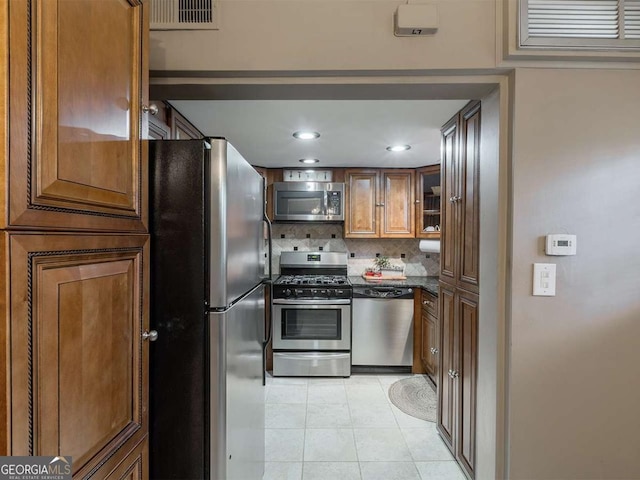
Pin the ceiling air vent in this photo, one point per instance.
(184, 15)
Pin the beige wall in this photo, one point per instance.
(294, 35)
(491, 313)
(574, 378)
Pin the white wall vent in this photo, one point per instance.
(591, 24)
(632, 19)
(184, 15)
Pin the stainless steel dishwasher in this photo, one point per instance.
(382, 328)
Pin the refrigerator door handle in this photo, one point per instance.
(267, 335)
(269, 244)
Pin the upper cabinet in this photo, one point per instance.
(459, 257)
(77, 86)
(181, 128)
(166, 123)
(379, 203)
(428, 202)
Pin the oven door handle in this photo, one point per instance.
(319, 303)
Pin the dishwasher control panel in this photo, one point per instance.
(382, 292)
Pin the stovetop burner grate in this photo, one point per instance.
(313, 280)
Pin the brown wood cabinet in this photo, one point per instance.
(428, 202)
(459, 285)
(429, 332)
(77, 77)
(379, 203)
(169, 124)
(459, 257)
(74, 243)
(159, 128)
(79, 306)
(181, 128)
(458, 374)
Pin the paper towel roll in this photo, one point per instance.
(429, 246)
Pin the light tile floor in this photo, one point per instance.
(348, 429)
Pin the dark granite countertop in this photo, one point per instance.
(430, 284)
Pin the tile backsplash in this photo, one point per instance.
(328, 237)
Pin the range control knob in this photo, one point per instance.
(298, 291)
(287, 293)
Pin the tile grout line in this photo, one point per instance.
(304, 434)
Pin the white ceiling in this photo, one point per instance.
(352, 132)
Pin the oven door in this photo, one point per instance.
(311, 325)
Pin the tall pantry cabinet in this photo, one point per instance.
(459, 285)
(74, 244)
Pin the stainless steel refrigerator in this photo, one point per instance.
(207, 305)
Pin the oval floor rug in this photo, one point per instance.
(415, 396)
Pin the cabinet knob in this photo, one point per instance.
(434, 351)
(152, 109)
(427, 302)
(417, 202)
(152, 336)
(454, 199)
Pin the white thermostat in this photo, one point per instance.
(561, 244)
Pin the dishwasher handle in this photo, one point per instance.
(383, 292)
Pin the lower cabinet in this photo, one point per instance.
(458, 374)
(135, 465)
(429, 349)
(79, 361)
(429, 354)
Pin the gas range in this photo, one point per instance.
(312, 276)
(312, 315)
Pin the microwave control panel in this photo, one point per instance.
(334, 202)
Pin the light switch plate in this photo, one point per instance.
(544, 279)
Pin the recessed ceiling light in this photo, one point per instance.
(398, 148)
(306, 135)
(309, 160)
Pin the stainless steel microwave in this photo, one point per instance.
(308, 201)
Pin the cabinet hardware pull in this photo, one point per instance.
(427, 302)
(152, 336)
(152, 109)
(435, 351)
